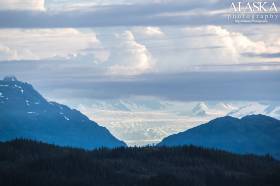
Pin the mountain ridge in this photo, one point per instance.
(27, 114)
(258, 134)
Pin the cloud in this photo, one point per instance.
(69, 80)
(85, 4)
(59, 5)
(121, 13)
(6, 53)
(234, 43)
(205, 45)
(138, 50)
(238, 43)
(123, 55)
(38, 44)
(178, 49)
(149, 32)
(143, 14)
(263, 55)
(185, 87)
(129, 57)
(240, 46)
(37, 5)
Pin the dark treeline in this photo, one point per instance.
(29, 163)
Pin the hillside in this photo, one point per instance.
(28, 163)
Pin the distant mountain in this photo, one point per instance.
(256, 134)
(212, 109)
(128, 105)
(201, 109)
(146, 120)
(272, 110)
(24, 113)
(226, 107)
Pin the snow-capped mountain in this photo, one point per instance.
(225, 106)
(24, 113)
(212, 109)
(269, 109)
(201, 109)
(239, 110)
(128, 105)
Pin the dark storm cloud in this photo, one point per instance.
(66, 81)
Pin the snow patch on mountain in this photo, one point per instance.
(65, 117)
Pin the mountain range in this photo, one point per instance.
(204, 109)
(147, 120)
(26, 114)
(257, 134)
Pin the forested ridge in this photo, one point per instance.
(30, 163)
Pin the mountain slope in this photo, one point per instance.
(256, 134)
(26, 114)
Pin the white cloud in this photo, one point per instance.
(180, 49)
(183, 49)
(6, 53)
(85, 4)
(129, 57)
(122, 56)
(236, 43)
(36, 44)
(150, 32)
(22, 5)
(140, 49)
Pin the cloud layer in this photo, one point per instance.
(31, 5)
(130, 39)
(124, 13)
(44, 43)
(65, 82)
(140, 50)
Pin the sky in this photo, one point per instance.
(84, 52)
